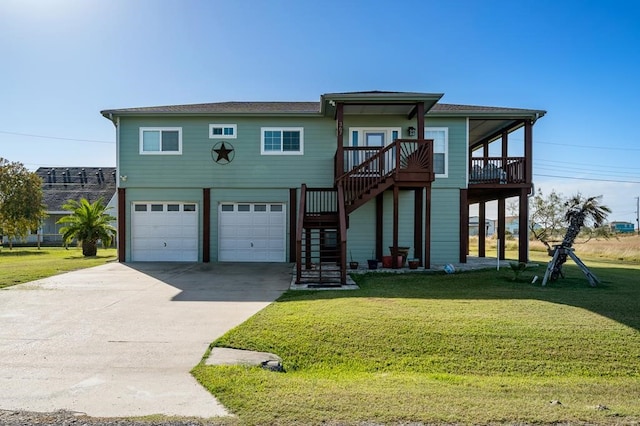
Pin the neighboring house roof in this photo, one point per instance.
(60, 184)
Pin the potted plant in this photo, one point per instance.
(401, 252)
(373, 262)
(352, 264)
(413, 263)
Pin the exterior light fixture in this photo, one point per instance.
(412, 131)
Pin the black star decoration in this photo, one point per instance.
(225, 155)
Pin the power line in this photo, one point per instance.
(606, 173)
(543, 160)
(588, 179)
(608, 148)
(537, 141)
(55, 137)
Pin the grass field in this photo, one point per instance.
(473, 347)
(24, 264)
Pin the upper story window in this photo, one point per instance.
(220, 131)
(161, 140)
(440, 136)
(282, 141)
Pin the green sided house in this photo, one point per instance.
(353, 176)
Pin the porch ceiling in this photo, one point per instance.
(377, 102)
(483, 128)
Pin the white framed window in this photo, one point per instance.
(440, 136)
(161, 140)
(281, 141)
(223, 131)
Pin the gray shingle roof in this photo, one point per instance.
(60, 184)
(289, 107)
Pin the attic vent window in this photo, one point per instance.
(223, 131)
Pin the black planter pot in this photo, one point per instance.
(373, 263)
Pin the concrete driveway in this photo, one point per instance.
(120, 339)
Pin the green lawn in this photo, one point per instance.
(472, 347)
(24, 264)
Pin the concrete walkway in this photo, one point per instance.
(119, 340)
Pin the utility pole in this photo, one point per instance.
(638, 214)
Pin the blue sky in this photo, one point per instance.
(62, 61)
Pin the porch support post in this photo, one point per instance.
(501, 227)
(206, 225)
(122, 224)
(505, 149)
(379, 221)
(396, 226)
(464, 226)
(528, 151)
(523, 230)
(482, 234)
(420, 119)
(293, 225)
(339, 163)
(427, 228)
(417, 224)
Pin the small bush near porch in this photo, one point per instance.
(472, 347)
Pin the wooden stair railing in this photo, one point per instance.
(321, 214)
(403, 159)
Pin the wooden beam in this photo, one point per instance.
(523, 230)
(427, 229)
(464, 226)
(528, 151)
(482, 232)
(417, 224)
(293, 225)
(206, 225)
(379, 224)
(122, 224)
(505, 144)
(420, 120)
(339, 164)
(396, 226)
(501, 227)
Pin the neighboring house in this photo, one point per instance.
(60, 184)
(512, 225)
(622, 227)
(489, 226)
(313, 182)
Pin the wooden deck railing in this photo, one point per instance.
(492, 170)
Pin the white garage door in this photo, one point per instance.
(251, 232)
(164, 231)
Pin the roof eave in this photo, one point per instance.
(110, 114)
(487, 115)
(388, 98)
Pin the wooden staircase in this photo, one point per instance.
(323, 212)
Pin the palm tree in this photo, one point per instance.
(580, 212)
(88, 223)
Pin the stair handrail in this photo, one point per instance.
(388, 161)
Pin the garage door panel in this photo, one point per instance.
(255, 234)
(164, 232)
